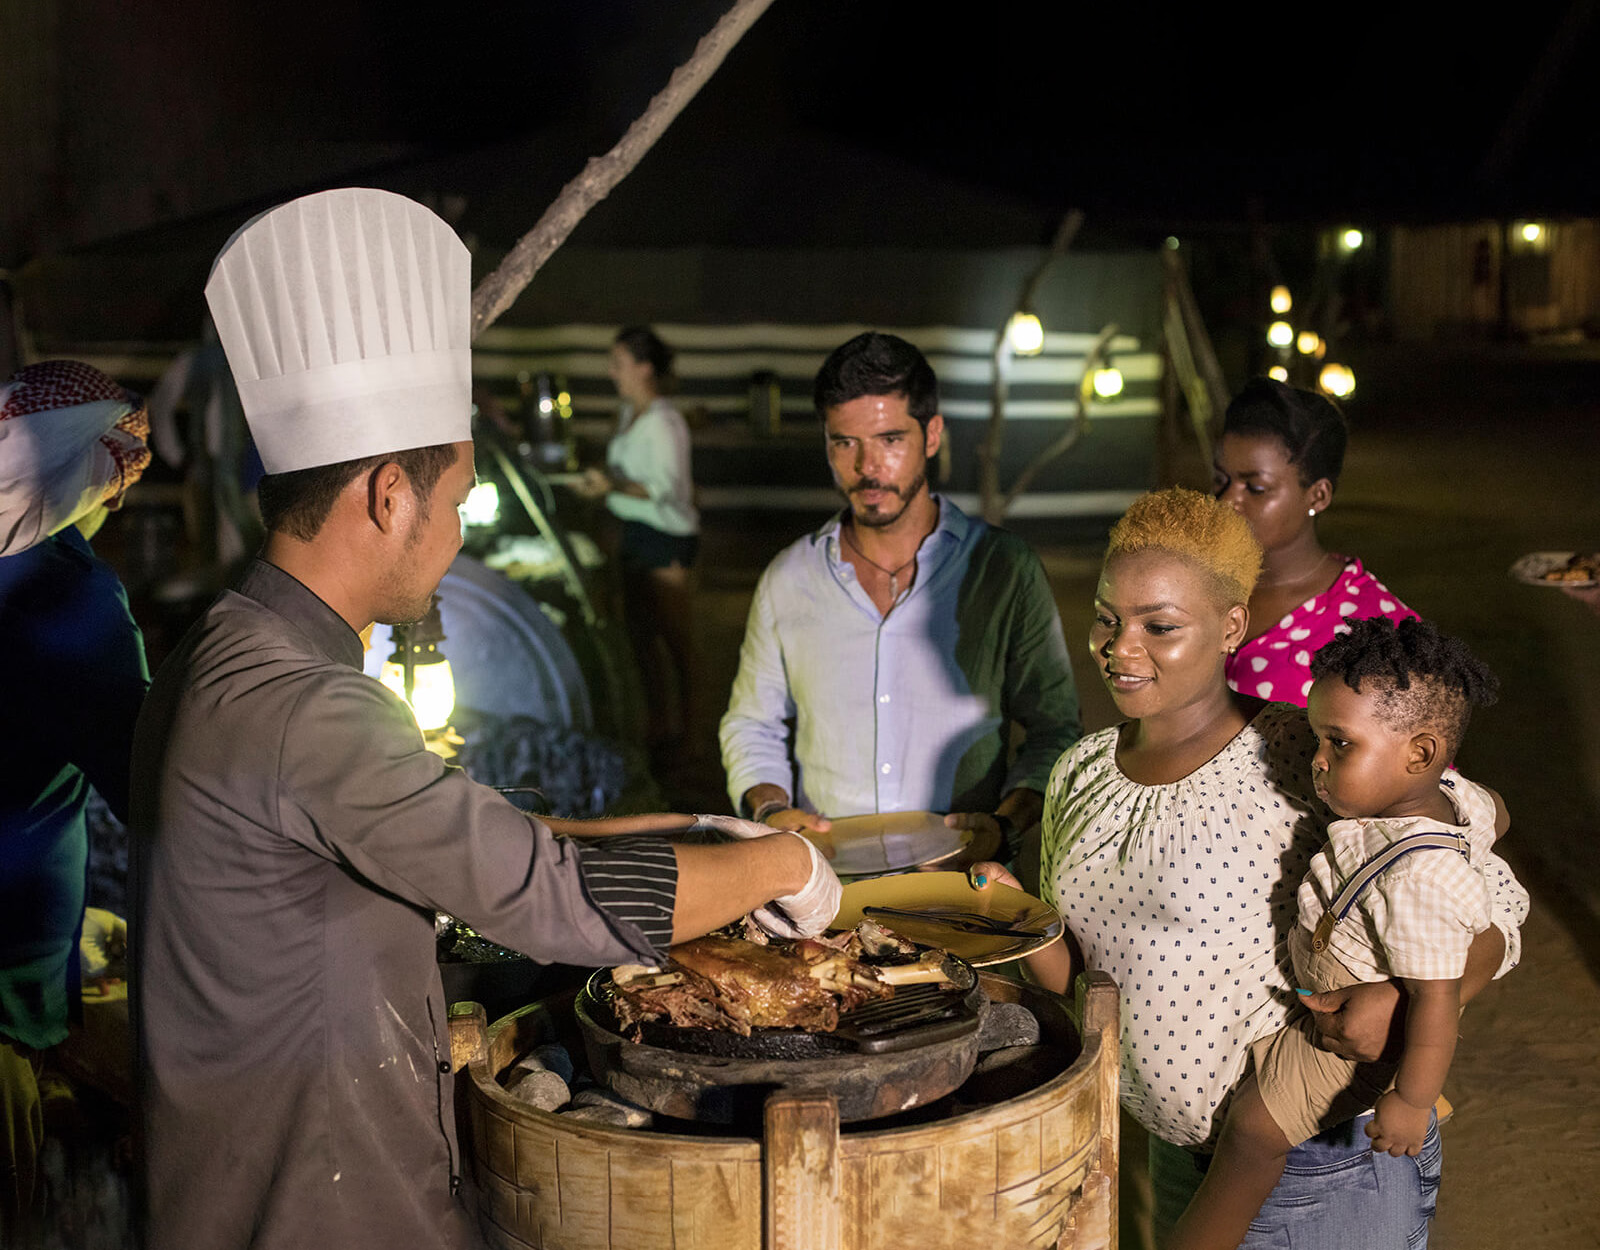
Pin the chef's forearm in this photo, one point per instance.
(718, 884)
(614, 826)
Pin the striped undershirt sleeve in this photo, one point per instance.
(635, 880)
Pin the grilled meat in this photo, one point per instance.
(727, 983)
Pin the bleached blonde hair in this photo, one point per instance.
(1196, 528)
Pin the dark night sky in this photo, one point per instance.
(1157, 112)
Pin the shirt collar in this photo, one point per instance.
(291, 599)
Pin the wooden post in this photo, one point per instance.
(469, 1034)
(1099, 1004)
(499, 290)
(800, 1173)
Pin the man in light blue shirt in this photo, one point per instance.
(903, 639)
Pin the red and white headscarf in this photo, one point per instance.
(71, 440)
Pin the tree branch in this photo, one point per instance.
(499, 290)
(990, 502)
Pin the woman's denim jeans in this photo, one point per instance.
(1335, 1193)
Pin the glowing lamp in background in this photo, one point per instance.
(1338, 380)
(1026, 334)
(1280, 334)
(483, 505)
(1278, 373)
(1532, 232)
(1108, 382)
(1281, 300)
(1307, 342)
(418, 672)
(1352, 239)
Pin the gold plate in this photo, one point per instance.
(1532, 568)
(860, 846)
(950, 890)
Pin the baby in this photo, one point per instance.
(1397, 892)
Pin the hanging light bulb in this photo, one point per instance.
(1280, 334)
(1281, 300)
(1108, 382)
(1532, 232)
(1026, 333)
(418, 672)
(1307, 342)
(1338, 380)
(1352, 239)
(1278, 373)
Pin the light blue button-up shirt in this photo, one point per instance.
(910, 711)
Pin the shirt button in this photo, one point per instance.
(444, 1066)
(883, 698)
(884, 769)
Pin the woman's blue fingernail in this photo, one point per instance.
(1303, 993)
(980, 879)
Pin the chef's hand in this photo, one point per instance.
(1364, 1023)
(734, 826)
(982, 875)
(103, 948)
(810, 909)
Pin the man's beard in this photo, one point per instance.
(880, 520)
(402, 604)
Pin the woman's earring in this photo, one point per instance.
(1312, 512)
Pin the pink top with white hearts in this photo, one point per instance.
(1277, 665)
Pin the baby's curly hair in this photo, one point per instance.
(1202, 530)
(1421, 678)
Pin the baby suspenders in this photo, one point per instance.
(1374, 868)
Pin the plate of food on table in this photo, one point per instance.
(1575, 570)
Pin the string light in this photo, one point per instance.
(1280, 334)
(1026, 333)
(1281, 300)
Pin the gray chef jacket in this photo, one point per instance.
(292, 841)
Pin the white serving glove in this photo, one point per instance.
(733, 826)
(103, 948)
(810, 909)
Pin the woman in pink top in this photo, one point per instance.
(1277, 465)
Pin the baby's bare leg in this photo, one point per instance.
(1249, 1160)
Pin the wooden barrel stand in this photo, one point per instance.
(1038, 1170)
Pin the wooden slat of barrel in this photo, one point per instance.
(802, 1171)
(716, 1203)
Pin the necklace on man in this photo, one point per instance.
(894, 574)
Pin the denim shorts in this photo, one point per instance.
(1335, 1194)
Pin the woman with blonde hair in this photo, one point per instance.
(1173, 845)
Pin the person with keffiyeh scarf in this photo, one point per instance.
(73, 669)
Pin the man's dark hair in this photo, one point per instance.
(297, 503)
(1422, 678)
(1310, 426)
(877, 364)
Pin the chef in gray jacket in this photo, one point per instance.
(293, 838)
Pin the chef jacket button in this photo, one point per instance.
(883, 698)
(884, 769)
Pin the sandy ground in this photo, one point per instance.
(1456, 468)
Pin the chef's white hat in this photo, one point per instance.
(346, 317)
